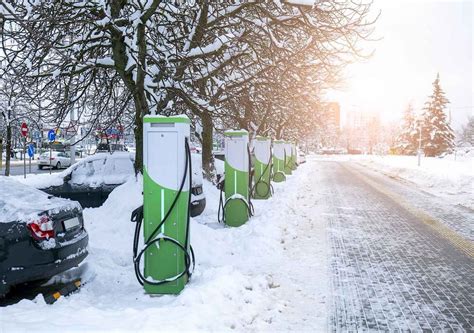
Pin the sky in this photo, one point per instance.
(419, 39)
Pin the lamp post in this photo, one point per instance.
(419, 139)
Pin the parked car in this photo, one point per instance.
(110, 147)
(40, 235)
(57, 160)
(91, 180)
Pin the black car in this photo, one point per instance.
(40, 235)
(91, 180)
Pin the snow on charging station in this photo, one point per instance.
(288, 158)
(236, 185)
(263, 160)
(279, 161)
(166, 195)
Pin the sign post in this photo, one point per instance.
(24, 130)
(51, 138)
(31, 152)
(24, 133)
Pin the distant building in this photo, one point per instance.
(334, 115)
(362, 130)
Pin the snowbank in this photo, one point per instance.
(19, 202)
(232, 288)
(451, 177)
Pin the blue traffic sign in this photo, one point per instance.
(31, 150)
(51, 135)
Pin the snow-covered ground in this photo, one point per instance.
(451, 177)
(270, 274)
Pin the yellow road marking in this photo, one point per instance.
(461, 243)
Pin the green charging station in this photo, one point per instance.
(293, 156)
(288, 158)
(166, 196)
(262, 187)
(236, 185)
(279, 161)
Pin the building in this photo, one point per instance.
(362, 130)
(334, 115)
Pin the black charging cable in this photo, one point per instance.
(223, 203)
(137, 217)
(268, 186)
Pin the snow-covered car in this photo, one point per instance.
(57, 160)
(40, 235)
(91, 180)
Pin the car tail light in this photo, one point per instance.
(51, 158)
(42, 229)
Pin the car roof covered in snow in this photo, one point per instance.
(20, 202)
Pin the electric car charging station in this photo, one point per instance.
(262, 187)
(237, 206)
(293, 156)
(288, 158)
(279, 161)
(167, 174)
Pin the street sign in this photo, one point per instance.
(31, 150)
(24, 129)
(51, 135)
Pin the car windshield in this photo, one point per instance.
(88, 172)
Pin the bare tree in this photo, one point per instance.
(163, 57)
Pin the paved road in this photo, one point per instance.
(394, 263)
(18, 170)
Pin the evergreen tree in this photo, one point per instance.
(407, 141)
(437, 135)
(467, 134)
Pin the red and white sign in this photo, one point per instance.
(24, 129)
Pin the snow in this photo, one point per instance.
(302, 2)
(56, 73)
(240, 131)
(19, 202)
(246, 279)
(451, 177)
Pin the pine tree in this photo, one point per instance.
(437, 135)
(407, 141)
(467, 134)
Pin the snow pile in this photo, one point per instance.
(236, 283)
(451, 177)
(19, 202)
(42, 180)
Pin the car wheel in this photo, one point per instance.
(40, 167)
(197, 207)
(58, 165)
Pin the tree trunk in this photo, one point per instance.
(141, 109)
(8, 150)
(207, 158)
(278, 132)
(1, 153)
